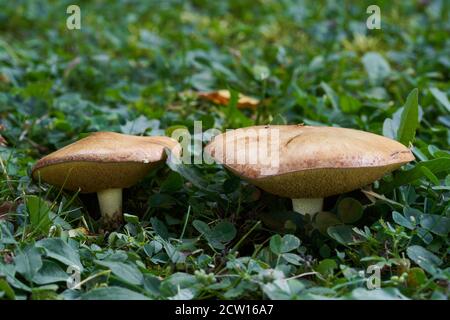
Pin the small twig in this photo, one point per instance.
(78, 285)
(185, 222)
(302, 275)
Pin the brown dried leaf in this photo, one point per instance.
(223, 97)
(78, 231)
(5, 208)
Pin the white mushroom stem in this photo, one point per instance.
(307, 205)
(110, 201)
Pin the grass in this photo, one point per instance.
(197, 231)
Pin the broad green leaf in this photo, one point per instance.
(159, 227)
(28, 262)
(341, 233)
(113, 293)
(326, 267)
(201, 226)
(126, 271)
(441, 97)
(172, 183)
(39, 213)
(402, 220)
(427, 173)
(161, 200)
(59, 250)
(6, 290)
(377, 68)
(424, 258)
(377, 294)
(284, 244)
(437, 224)
(323, 220)
(224, 231)
(331, 94)
(410, 119)
(436, 166)
(276, 243)
(50, 272)
(283, 289)
(139, 125)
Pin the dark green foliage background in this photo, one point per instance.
(197, 232)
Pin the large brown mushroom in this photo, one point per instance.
(105, 163)
(307, 163)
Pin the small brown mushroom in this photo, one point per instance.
(307, 163)
(105, 163)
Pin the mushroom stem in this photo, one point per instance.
(110, 201)
(307, 205)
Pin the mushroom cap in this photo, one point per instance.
(299, 161)
(103, 160)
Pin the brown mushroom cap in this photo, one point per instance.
(313, 161)
(103, 160)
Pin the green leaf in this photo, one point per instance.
(282, 289)
(139, 125)
(28, 262)
(402, 220)
(7, 290)
(59, 250)
(172, 183)
(131, 218)
(376, 66)
(331, 95)
(276, 243)
(437, 224)
(427, 173)
(324, 219)
(284, 244)
(220, 234)
(224, 231)
(113, 293)
(50, 272)
(292, 258)
(201, 227)
(341, 233)
(326, 267)
(377, 294)
(349, 210)
(441, 97)
(436, 166)
(349, 104)
(161, 200)
(125, 271)
(409, 121)
(424, 258)
(416, 277)
(190, 173)
(39, 213)
(159, 227)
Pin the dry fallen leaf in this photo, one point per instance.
(5, 208)
(223, 97)
(78, 232)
